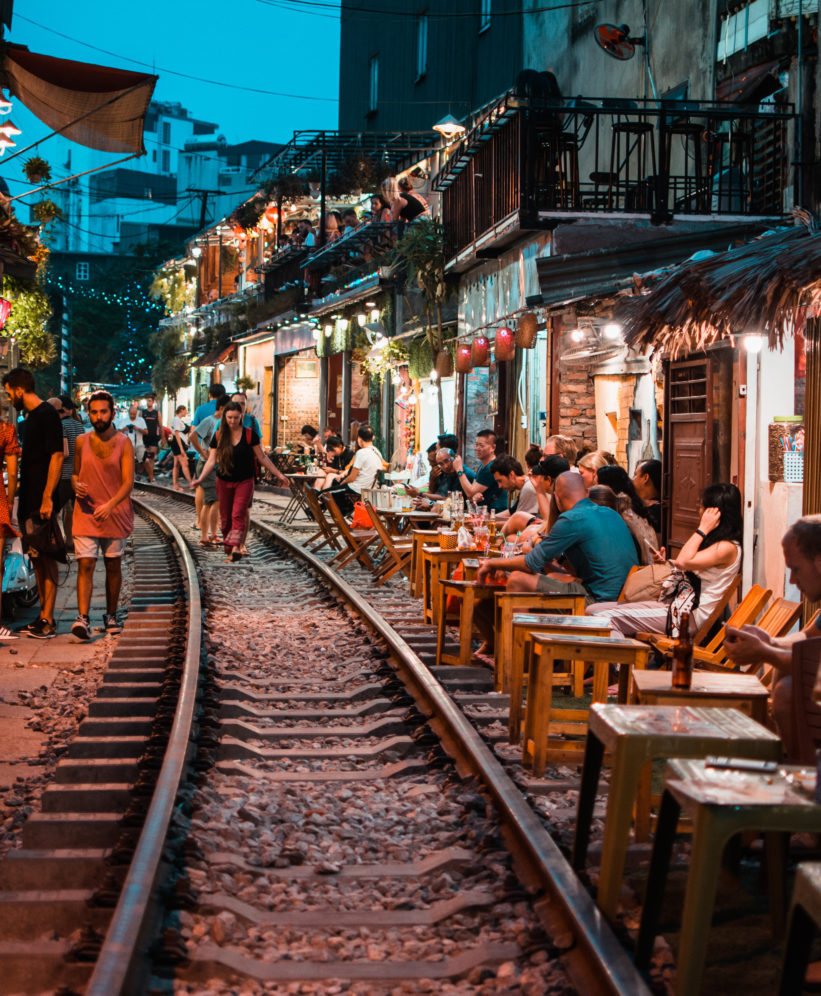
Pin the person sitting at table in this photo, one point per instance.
(712, 553)
(338, 458)
(350, 221)
(484, 487)
(311, 443)
(632, 510)
(425, 483)
(750, 645)
(511, 478)
(560, 445)
(588, 465)
(446, 480)
(362, 474)
(532, 526)
(594, 539)
(647, 482)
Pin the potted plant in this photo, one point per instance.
(37, 170)
(246, 384)
(45, 211)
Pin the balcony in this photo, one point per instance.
(530, 163)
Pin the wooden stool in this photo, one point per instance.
(636, 736)
(524, 627)
(468, 593)
(418, 538)
(541, 718)
(721, 804)
(805, 918)
(727, 691)
(508, 603)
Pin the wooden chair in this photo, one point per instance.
(357, 541)
(806, 713)
(778, 619)
(326, 534)
(713, 656)
(664, 644)
(397, 553)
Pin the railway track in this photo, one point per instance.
(342, 826)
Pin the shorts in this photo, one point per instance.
(63, 494)
(90, 547)
(209, 485)
(553, 586)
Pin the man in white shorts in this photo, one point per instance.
(135, 427)
(103, 515)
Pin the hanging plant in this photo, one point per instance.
(247, 215)
(392, 354)
(420, 359)
(423, 246)
(246, 384)
(46, 211)
(37, 170)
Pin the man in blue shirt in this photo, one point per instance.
(484, 488)
(595, 540)
(209, 407)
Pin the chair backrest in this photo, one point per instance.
(780, 617)
(701, 634)
(806, 715)
(381, 530)
(745, 612)
(342, 526)
(327, 529)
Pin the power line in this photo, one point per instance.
(413, 15)
(172, 72)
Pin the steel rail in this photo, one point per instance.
(117, 970)
(607, 961)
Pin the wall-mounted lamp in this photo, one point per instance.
(449, 128)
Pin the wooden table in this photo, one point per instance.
(400, 522)
(730, 690)
(297, 503)
(635, 736)
(721, 805)
(437, 565)
(469, 594)
(419, 537)
(541, 718)
(524, 628)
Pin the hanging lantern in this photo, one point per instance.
(464, 361)
(480, 351)
(527, 330)
(505, 346)
(444, 363)
(5, 311)
(272, 215)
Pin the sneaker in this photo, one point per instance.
(41, 630)
(110, 623)
(8, 634)
(81, 627)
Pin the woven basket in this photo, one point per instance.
(448, 541)
(444, 363)
(527, 330)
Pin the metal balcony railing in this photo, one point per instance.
(533, 161)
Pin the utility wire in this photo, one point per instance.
(412, 14)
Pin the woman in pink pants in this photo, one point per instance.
(235, 450)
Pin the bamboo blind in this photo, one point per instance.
(811, 502)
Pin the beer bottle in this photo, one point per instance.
(683, 655)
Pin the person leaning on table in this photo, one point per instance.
(750, 645)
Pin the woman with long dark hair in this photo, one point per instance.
(234, 449)
(647, 482)
(631, 508)
(712, 553)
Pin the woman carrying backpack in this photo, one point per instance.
(233, 449)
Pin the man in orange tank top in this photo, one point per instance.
(103, 516)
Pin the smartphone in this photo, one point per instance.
(750, 764)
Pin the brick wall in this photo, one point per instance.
(477, 409)
(298, 398)
(577, 404)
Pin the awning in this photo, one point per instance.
(752, 85)
(95, 106)
(623, 249)
(215, 356)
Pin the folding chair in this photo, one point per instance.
(664, 644)
(326, 535)
(356, 540)
(397, 554)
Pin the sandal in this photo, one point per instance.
(236, 557)
(206, 543)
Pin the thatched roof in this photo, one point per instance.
(758, 287)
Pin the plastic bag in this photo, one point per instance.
(464, 540)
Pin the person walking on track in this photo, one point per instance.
(103, 515)
(233, 449)
(40, 467)
(153, 420)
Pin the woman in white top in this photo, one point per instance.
(713, 553)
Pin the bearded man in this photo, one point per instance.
(103, 516)
(40, 467)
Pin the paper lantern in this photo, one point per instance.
(444, 363)
(505, 346)
(527, 330)
(5, 311)
(464, 361)
(480, 351)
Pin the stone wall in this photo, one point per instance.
(577, 404)
(298, 397)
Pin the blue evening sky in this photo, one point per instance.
(287, 46)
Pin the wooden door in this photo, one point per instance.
(688, 449)
(267, 406)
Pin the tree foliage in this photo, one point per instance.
(28, 322)
(170, 371)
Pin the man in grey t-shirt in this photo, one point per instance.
(205, 497)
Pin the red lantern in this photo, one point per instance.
(464, 362)
(480, 351)
(5, 311)
(505, 345)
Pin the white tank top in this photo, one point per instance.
(714, 583)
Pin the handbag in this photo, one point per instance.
(45, 537)
(681, 593)
(644, 584)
